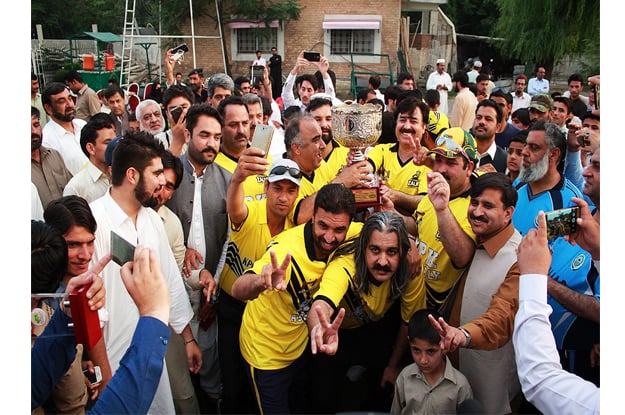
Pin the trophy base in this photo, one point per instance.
(367, 197)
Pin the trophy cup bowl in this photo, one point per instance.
(358, 126)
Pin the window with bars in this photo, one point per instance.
(250, 40)
(345, 41)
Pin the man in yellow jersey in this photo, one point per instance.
(370, 277)
(280, 287)
(252, 225)
(304, 143)
(333, 154)
(235, 138)
(445, 239)
(405, 181)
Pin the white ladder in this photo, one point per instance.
(128, 35)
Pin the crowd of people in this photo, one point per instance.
(276, 289)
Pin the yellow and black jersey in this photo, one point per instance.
(336, 160)
(405, 177)
(338, 287)
(309, 186)
(274, 331)
(439, 272)
(247, 243)
(253, 186)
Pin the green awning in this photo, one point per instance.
(104, 36)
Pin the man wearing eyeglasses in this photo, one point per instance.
(538, 84)
(445, 238)
(252, 225)
(520, 98)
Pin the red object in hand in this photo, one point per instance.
(86, 321)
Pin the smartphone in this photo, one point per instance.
(96, 377)
(561, 222)
(262, 137)
(257, 73)
(121, 250)
(176, 112)
(312, 56)
(596, 88)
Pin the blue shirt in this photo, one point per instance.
(130, 390)
(528, 205)
(573, 267)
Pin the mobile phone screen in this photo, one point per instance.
(561, 222)
(176, 113)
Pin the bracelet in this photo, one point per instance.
(190, 341)
(466, 333)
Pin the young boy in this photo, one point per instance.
(431, 385)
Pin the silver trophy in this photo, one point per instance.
(359, 126)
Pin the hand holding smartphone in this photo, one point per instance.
(262, 137)
(96, 377)
(122, 251)
(176, 112)
(312, 56)
(561, 222)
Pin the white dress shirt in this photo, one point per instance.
(123, 314)
(551, 389)
(68, 144)
(90, 183)
(440, 79)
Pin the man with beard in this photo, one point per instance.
(136, 179)
(234, 140)
(47, 169)
(544, 187)
(465, 103)
(370, 277)
(305, 146)
(482, 305)
(274, 333)
(196, 81)
(62, 132)
(540, 108)
(150, 117)
(200, 203)
(490, 157)
(72, 217)
(445, 239)
(182, 389)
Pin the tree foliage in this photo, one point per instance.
(546, 31)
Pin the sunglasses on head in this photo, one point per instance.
(279, 170)
(498, 89)
(453, 149)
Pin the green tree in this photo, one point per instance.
(546, 31)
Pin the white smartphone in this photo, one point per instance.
(121, 250)
(262, 137)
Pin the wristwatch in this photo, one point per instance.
(466, 333)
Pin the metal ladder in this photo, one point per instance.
(127, 43)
